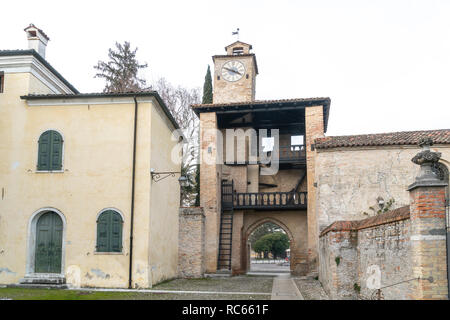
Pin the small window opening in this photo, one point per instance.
(238, 51)
(297, 143)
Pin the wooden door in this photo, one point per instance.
(49, 230)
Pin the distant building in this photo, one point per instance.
(269, 161)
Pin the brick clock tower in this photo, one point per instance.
(235, 74)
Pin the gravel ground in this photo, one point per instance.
(228, 284)
(310, 288)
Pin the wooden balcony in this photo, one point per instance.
(270, 200)
(292, 153)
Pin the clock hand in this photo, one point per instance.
(233, 71)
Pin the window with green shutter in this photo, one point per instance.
(109, 232)
(50, 151)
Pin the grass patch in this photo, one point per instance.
(60, 294)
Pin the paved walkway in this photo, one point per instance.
(284, 288)
(310, 288)
(270, 268)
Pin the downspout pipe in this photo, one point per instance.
(130, 271)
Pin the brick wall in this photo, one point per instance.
(314, 128)
(191, 249)
(338, 259)
(352, 253)
(404, 244)
(210, 176)
(428, 241)
(386, 248)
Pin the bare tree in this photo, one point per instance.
(179, 101)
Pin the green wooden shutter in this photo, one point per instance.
(50, 151)
(56, 151)
(44, 151)
(116, 232)
(109, 232)
(102, 232)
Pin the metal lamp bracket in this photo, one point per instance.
(158, 176)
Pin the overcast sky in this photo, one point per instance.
(384, 64)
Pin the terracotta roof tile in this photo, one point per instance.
(381, 139)
(260, 102)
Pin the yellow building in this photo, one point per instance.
(78, 202)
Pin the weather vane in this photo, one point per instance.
(236, 33)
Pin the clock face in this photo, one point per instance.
(233, 70)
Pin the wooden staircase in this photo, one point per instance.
(226, 227)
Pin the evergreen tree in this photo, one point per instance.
(262, 230)
(121, 71)
(197, 186)
(207, 88)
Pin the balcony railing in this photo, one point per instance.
(292, 153)
(270, 200)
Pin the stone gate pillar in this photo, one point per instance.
(428, 233)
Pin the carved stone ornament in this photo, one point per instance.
(427, 159)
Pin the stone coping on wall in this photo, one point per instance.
(395, 215)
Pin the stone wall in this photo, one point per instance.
(354, 253)
(388, 252)
(338, 263)
(386, 248)
(349, 180)
(191, 250)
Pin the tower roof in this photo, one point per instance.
(234, 44)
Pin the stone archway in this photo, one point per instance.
(292, 221)
(251, 228)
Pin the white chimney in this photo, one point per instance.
(37, 39)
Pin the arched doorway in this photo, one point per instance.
(275, 261)
(46, 245)
(48, 250)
